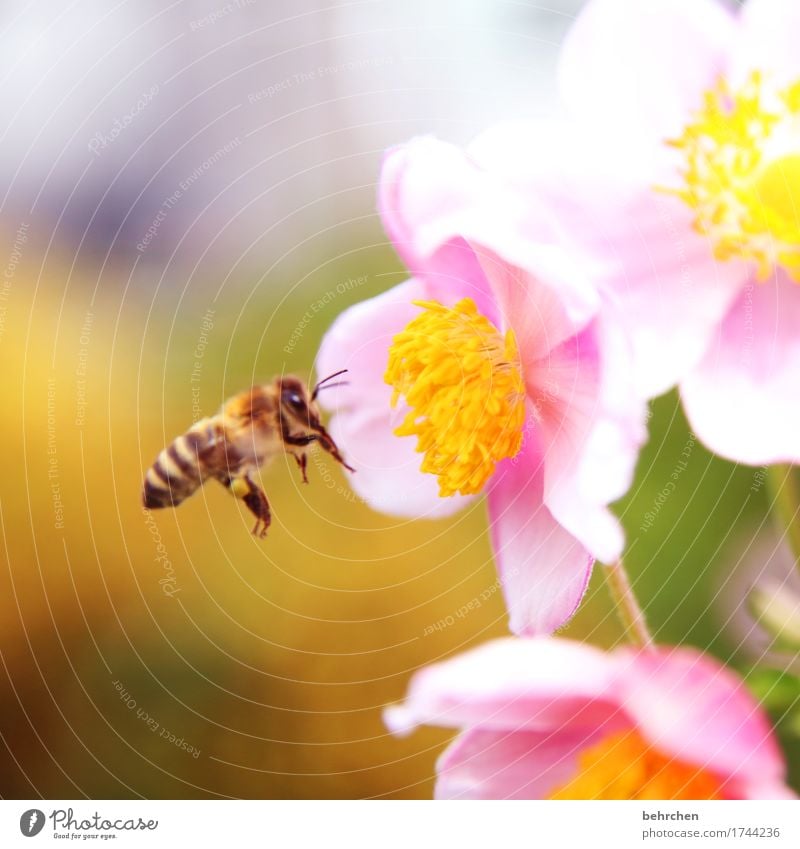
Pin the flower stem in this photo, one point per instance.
(628, 609)
(784, 493)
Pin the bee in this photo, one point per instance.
(230, 447)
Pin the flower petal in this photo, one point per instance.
(483, 764)
(509, 684)
(768, 39)
(426, 191)
(435, 202)
(359, 341)
(387, 466)
(592, 429)
(612, 449)
(697, 710)
(753, 788)
(552, 158)
(544, 570)
(619, 67)
(532, 307)
(388, 475)
(743, 400)
(665, 285)
(635, 242)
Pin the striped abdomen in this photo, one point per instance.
(181, 467)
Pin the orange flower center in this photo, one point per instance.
(463, 383)
(626, 766)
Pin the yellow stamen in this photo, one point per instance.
(626, 766)
(462, 380)
(742, 173)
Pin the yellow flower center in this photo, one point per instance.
(462, 380)
(626, 766)
(742, 173)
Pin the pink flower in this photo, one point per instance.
(706, 277)
(550, 718)
(505, 374)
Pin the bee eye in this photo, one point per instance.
(294, 400)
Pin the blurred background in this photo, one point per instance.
(179, 184)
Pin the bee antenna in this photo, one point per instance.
(322, 383)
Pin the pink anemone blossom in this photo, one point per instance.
(550, 718)
(678, 170)
(502, 368)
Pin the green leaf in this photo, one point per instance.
(778, 691)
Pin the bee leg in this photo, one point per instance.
(256, 501)
(302, 461)
(324, 439)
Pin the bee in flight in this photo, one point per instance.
(232, 445)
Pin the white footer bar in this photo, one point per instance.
(405, 825)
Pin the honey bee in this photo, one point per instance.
(249, 429)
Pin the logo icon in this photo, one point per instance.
(31, 822)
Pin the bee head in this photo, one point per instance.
(298, 411)
(300, 414)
